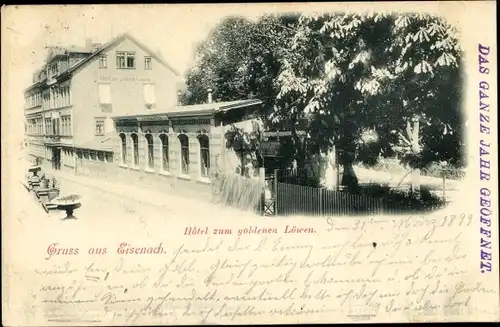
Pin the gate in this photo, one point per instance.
(270, 195)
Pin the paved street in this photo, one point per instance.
(107, 206)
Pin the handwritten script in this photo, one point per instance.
(415, 269)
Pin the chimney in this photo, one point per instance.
(209, 95)
(88, 43)
(96, 46)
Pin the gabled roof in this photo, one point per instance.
(114, 42)
(100, 50)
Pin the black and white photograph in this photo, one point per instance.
(330, 114)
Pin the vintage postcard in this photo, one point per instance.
(249, 164)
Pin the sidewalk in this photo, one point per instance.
(191, 206)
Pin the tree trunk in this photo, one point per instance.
(415, 175)
(349, 178)
(415, 182)
(301, 154)
(241, 156)
(299, 147)
(347, 153)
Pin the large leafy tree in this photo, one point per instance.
(340, 76)
(395, 74)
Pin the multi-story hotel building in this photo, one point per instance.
(113, 112)
(75, 93)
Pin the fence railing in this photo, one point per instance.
(305, 200)
(293, 199)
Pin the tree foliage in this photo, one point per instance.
(345, 75)
(246, 144)
(239, 60)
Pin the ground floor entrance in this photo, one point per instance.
(56, 157)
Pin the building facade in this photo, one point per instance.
(178, 148)
(74, 95)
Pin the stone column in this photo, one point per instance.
(194, 155)
(143, 164)
(157, 154)
(130, 150)
(174, 151)
(215, 148)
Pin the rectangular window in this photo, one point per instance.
(103, 61)
(100, 156)
(148, 63)
(124, 148)
(66, 125)
(99, 127)
(105, 93)
(55, 126)
(63, 125)
(125, 60)
(164, 152)
(93, 155)
(184, 143)
(151, 159)
(204, 155)
(48, 126)
(40, 129)
(185, 160)
(149, 94)
(130, 57)
(120, 60)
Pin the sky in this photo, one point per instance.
(169, 30)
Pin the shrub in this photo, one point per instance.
(433, 170)
(400, 201)
(436, 170)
